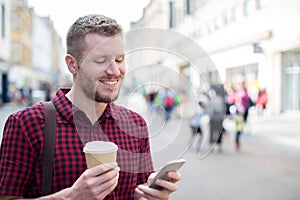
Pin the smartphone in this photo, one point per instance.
(173, 165)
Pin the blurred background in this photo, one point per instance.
(252, 43)
(253, 50)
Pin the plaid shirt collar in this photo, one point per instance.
(67, 109)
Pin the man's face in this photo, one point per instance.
(102, 69)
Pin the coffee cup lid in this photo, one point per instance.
(100, 147)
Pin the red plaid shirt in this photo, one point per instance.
(22, 145)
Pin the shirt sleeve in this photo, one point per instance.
(17, 158)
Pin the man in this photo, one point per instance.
(195, 124)
(85, 112)
(217, 114)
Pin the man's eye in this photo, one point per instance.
(99, 61)
(120, 59)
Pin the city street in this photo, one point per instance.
(268, 166)
(191, 56)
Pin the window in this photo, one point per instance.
(16, 52)
(171, 14)
(249, 7)
(246, 73)
(219, 21)
(195, 4)
(188, 7)
(261, 4)
(227, 16)
(2, 21)
(238, 12)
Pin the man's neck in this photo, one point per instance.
(91, 108)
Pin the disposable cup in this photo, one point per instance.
(100, 152)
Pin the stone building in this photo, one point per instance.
(254, 43)
(5, 48)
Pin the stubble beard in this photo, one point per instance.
(102, 98)
(91, 92)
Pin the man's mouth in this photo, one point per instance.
(109, 82)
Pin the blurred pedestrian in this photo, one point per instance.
(261, 102)
(217, 115)
(150, 97)
(95, 57)
(239, 124)
(168, 103)
(48, 92)
(195, 124)
(178, 101)
(229, 101)
(246, 102)
(29, 96)
(16, 96)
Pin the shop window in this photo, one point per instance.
(247, 73)
(291, 80)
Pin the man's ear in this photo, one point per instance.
(71, 63)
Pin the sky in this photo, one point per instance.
(64, 12)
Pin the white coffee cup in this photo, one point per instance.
(100, 152)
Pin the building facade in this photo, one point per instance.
(149, 55)
(5, 48)
(254, 43)
(21, 37)
(36, 56)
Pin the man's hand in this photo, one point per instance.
(95, 183)
(168, 187)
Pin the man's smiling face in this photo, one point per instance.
(102, 70)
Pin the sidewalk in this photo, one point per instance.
(258, 172)
(281, 129)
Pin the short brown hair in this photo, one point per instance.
(94, 23)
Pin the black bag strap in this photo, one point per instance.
(49, 143)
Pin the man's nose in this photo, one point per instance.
(113, 68)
